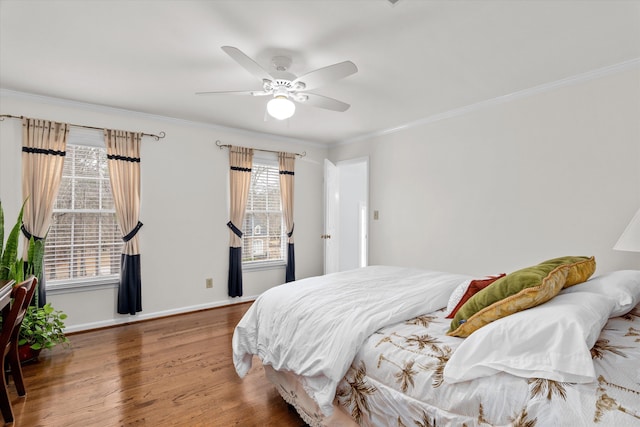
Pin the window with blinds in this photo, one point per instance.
(84, 241)
(263, 228)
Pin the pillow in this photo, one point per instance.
(465, 291)
(551, 341)
(623, 286)
(580, 268)
(517, 291)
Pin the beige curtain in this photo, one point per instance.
(123, 159)
(286, 165)
(240, 162)
(43, 151)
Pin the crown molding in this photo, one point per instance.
(121, 111)
(545, 87)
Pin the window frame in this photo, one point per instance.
(271, 160)
(87, 138)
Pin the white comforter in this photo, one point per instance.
(303, 327)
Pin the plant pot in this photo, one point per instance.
(27, 355)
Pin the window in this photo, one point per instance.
(263, 229)
(84, 241)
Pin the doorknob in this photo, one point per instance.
(325, 236)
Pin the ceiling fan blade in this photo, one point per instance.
(323, 76)
(325, 102)
(261, 92)
(247, 63)
(236, 92)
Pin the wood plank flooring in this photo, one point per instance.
(174, 371)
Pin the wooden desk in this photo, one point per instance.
(6, 286)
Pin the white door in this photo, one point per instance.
(331, 214)
(352, 222)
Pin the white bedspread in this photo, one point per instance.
(314, 327)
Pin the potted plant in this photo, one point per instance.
(42, 327)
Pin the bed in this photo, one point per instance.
(373, 347)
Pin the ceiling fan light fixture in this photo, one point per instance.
(281, 107)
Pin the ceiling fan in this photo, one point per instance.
(286, 87)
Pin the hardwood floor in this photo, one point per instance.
(174, 371)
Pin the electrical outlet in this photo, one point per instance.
(376, 215)
(209, 282)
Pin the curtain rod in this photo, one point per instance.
(156, 137)
(221, 146)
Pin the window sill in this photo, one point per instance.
(82, 286)
(269, 265)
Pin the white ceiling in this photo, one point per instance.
(416, 59)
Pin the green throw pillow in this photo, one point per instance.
(520, 290)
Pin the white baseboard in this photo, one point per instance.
(147, 316)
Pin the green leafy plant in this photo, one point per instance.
(43, 328)
(11, 265)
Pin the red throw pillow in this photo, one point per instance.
(474, 287)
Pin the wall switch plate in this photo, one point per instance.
(375, 215)
(209, 282)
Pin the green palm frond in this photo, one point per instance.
(1, 229)
(10, 250)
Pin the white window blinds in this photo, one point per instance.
(84, 241)
(263, 223)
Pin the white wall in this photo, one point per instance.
(510, 184)
(183, 207)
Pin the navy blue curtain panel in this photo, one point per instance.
(235, 272)
(130, 290)
(291, 264)
(42, 290)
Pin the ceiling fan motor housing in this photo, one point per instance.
(278, 83)
(280, 90)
